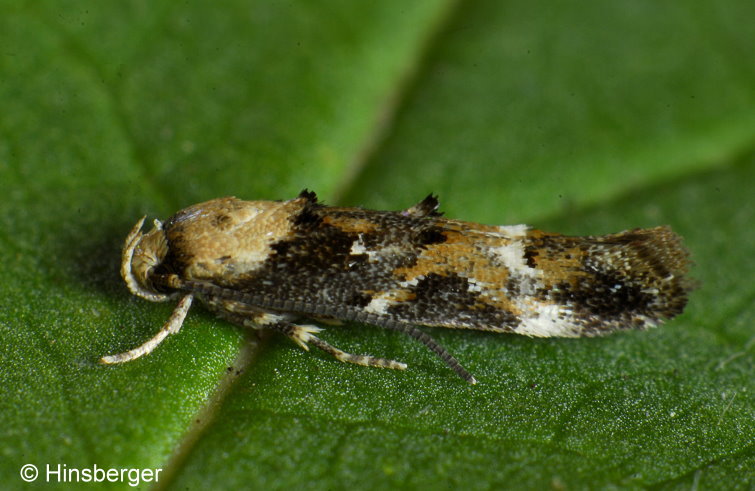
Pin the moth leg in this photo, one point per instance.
(172, 326)
(245, 315)
(303, 334)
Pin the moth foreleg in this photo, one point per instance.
(305, 334)
(172, 326)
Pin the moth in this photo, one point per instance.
(272, 264)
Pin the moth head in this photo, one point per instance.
(142, 253)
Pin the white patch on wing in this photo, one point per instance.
(513, 231)
(546, 321)
(413, 282)
(473, 286)
(511, 255)
(358, 248)
(379, 305)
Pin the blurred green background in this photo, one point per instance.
(577, 117)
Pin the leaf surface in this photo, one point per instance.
(575, 117)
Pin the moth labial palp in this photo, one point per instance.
(269, 264)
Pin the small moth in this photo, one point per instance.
(269, 264)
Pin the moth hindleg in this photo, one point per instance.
(304, 334)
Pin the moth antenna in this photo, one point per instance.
(436, 348)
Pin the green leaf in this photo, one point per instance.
(575, 117)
